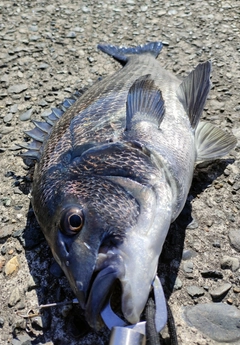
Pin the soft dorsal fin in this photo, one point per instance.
(212, 142)
(193, 92)
(144, 102)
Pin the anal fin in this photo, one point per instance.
(144, 102)
(212, 142)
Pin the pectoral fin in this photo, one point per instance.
(212, 142)
(144, 102)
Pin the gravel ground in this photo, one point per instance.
(48, 51)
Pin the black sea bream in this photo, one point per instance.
(113, 172)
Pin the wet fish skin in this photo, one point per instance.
(115, 171)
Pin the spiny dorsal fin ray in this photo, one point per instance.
(43, 129)
(194, 90)
(144, 102)
(122, 54)
(212, 142)
(43, 126)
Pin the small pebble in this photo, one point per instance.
(11, 266)
(26, 116)
(216, 244)
(188, 254)
(14, 297)
(1, 322)
(188, 266)
(178, 284)
(43, 66)
(193, 225)
(17, 88)
(228, 262)
(37, 322)
(195, 291)
(234, 237)
(14, 108)
(71, 34)
(8, 117)
(22, 339)
(220, 292)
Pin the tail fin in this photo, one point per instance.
(122, 54)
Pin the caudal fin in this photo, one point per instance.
(122, 54)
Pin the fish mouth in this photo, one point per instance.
(109, 268)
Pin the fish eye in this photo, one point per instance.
(72, 221)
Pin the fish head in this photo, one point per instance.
(102, 229)
(85, 219)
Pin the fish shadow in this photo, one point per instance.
(66, 324)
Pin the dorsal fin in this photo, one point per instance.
(42, 129)
(122, 54)
(144, 102)
(212, 142)
(193, 92)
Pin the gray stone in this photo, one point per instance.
(188, 254)
(17, 88)
(33, 28)
(71, 34)
(8, 117)
(188, 266)
(228, 262)
(37, 322)
(86, 9)
(234, 237)
(26, 116)
(14, 297)
(1, 322)
(193, 225)
(22, 339)
(32, 283)
(220, 292)
(6, 130)
(219, 321)
(6, 231)
(195, 291)
(14, 108)
(43, 66)
(178, 284)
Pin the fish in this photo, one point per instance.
(113, 168)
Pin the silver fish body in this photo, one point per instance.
(114, 171)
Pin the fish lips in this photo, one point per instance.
(109, 267)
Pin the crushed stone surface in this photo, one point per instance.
(48, 49)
